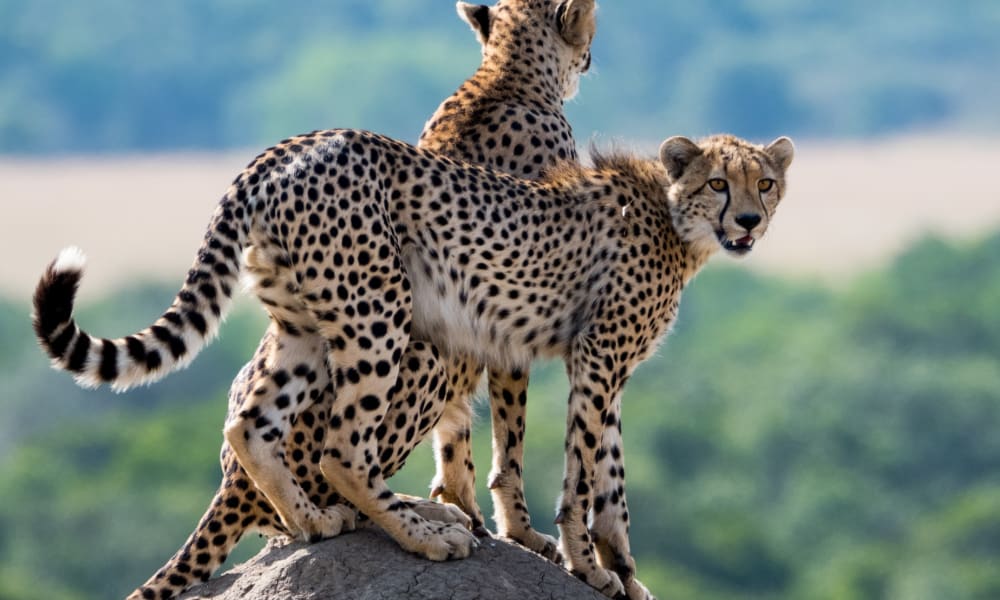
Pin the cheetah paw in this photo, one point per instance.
(464, 499)
(634, 590)
(605, 581)
(540, 543)
(444, 541)
(438, 511)
(329, 522)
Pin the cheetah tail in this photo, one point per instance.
(171, 342)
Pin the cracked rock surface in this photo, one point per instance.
(368, 565)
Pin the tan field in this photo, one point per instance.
(850, 206)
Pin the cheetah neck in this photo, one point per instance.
(649, 179)
(501, 77)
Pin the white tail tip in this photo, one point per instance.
(70, 259)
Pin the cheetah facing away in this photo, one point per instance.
(508, 115)
(359, 239)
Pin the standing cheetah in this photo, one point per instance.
(356, 240)
(509, 115)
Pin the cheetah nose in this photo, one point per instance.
(748, 220)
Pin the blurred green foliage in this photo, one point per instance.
(117, 75)
(789, 441)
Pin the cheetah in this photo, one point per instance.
(360, 240)
(508, 115)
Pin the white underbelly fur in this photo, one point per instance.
(453, 327)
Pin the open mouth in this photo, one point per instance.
(742, 245)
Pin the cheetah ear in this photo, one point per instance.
(676, 154)
(782, 150)
(478, 17)
(575, 20)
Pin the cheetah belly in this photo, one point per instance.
(453, 326)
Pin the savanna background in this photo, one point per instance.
(824, 423)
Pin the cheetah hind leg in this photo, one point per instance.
(219, 531)
(455, 480)
(258, 432)
(364, 378)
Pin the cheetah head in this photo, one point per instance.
(723, 190)
(546, 35)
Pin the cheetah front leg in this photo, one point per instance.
(258, 431)
(596, 377)
(609, 524)
(455, 479)
(364, 358)
(508, 400)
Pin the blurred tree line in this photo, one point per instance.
(119, 75)
(789, 441)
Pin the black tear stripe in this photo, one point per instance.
(109, 361)
(725, 207)
(763, 205)
(726, 159)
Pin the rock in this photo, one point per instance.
(368, 565)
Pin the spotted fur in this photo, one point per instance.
(509, 115)
(360, 239)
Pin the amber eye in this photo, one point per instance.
(765, 185)
(718, 185)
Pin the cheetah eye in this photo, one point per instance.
(765, 185)
(718, 185)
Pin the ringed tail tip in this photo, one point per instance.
(55, 294)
